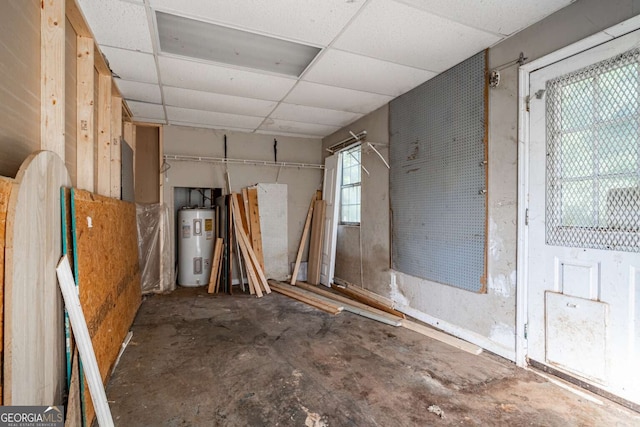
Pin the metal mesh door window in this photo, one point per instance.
(350, 187)
(438, 177)
(593, 156)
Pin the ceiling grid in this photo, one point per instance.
(370, 51)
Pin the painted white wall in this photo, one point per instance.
(301, 183)
(485, 319)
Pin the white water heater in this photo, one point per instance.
(195, 245)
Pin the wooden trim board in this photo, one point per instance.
(215, 266)
(103, 167)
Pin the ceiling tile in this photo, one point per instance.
(118, 23)
(145, 110)
(210, 118)
(131, 65)
(403, 34)
(136, 91)
(212, 78)
(322, 116)
(316, 22)
(335, 98)
(287, 126)
(348, 70)
(497, 16)
(197, 100)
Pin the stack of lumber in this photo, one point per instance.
(245, 231)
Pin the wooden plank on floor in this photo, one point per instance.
(254, 224)
(442, 337)
(315, 244)
(292, 292)
(353, 306)
(367, 300)
(32, 249)
(355, 288)
(303, 240)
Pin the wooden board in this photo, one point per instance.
(315, 244)
(215, 265)
(292, 292)
(368, 301)
(303, 240)
(52, 71)
(5, 191)
(85, 113)
(442, 337)
(34, 344)
(107, 274)
(359, 307)
(254, 225)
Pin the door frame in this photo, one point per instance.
(524, 72)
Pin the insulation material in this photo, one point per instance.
(272, 199)
(107, 274)
(5, 191)
(153, 248)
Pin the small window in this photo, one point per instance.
(350, 187)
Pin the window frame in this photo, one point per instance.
(343, 153)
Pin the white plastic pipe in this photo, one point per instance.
(83, 340)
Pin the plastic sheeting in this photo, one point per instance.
(153, 248)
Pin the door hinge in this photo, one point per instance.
(527, 102)
(526, 330)
(526, 216)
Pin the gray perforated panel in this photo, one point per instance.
(437, 177)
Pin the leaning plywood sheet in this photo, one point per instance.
(107, 273)
(34, 363)
(272, 199)
(5, 191)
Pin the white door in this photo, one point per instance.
(583, 279)
(332, 169)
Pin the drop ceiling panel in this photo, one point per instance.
(323, 116)
(212, 78)
(348, 70)
(131, 65)
(136, 91)
(316, 22)
(403, 34)
(211, 118)
(194, 99)
(118, 23)
(287, 126)
(145, 110)
(497, 16)
(335, 98)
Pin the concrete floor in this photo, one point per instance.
(200, 360)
